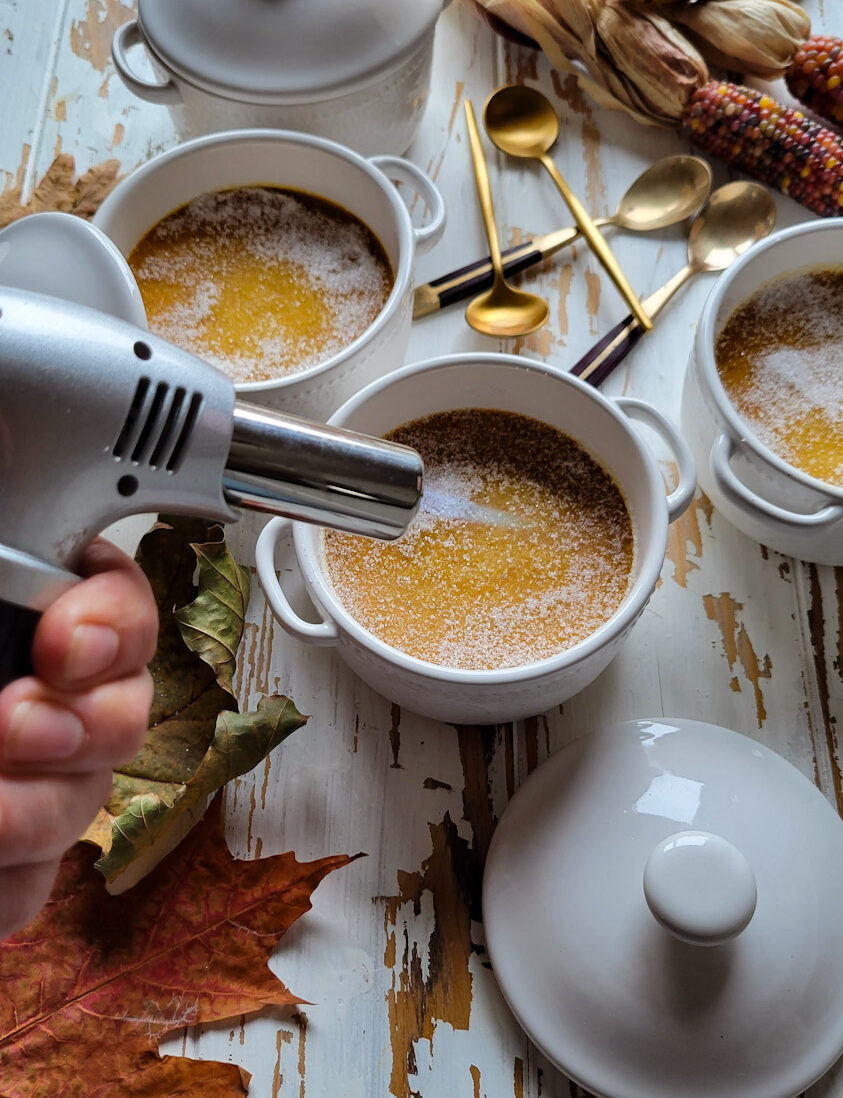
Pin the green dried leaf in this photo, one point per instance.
(150, 817)
(197, 740)
(212, 624)
(187, 696)
(243, 739)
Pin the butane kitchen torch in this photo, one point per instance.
(100, 419)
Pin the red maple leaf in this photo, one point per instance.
(87, 988)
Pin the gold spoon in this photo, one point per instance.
(736, 216)
(522, 122)
(502, 311)
(666, 193)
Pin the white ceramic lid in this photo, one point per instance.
(272, 49)
(662, 904)
(62, 255)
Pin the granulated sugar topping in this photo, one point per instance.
(261, 281)
(779, 359)
(486, 594)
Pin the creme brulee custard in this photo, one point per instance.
(472, 594)
(261, 281)
(779, 359)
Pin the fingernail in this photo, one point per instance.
(92, 650)
(42, 732)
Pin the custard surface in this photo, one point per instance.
(261, 281)
(779, 359)
(463, 593)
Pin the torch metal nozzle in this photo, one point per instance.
(285, 465)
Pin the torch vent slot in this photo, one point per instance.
(158, 425)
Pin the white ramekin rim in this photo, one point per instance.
(704, 349)
(144, 176)
(649, 565)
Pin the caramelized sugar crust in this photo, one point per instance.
(779, 359)
(480, 595)
(261, 281)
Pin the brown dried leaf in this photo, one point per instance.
(60, 190)
(89, 987)
(93, 187)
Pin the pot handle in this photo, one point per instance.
(124, 38)
(683, 493)
(320, 633)
(737, 493)
(396, 167)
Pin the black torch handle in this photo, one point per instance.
(17, 628)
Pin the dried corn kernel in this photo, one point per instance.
(815, 76)
(769, 141)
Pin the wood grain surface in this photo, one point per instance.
(401, 999)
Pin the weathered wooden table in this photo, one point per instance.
(392, 956)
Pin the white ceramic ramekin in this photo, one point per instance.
(516, 384)
(355, 73)
(312, 164)
(771, 501)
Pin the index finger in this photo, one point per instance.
(102, 629)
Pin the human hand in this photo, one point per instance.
(64, 729)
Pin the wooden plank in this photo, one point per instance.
(29, 47)
(391, 956)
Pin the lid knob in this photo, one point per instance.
(700, 887)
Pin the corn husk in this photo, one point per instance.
(654, 58)
(751, 36)
(648, 57)
(507, 11)
(623, 57)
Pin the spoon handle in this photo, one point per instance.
(598, 245)
(484, 190)
(657, 300)
(596, 364)
(477, 276)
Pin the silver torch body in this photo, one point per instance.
(100, 419)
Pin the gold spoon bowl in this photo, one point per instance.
(505, 312)
(736, 216)
(522, 122)
(666, 193)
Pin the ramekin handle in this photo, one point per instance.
(124, 38)
(738, 494)
(679, 499)
(320, 633)
(396, 167)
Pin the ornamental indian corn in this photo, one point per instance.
(816, 76)
(769, 141)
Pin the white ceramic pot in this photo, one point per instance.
(504, 382)
(312, 164)
(771, 501)
(356, 73)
